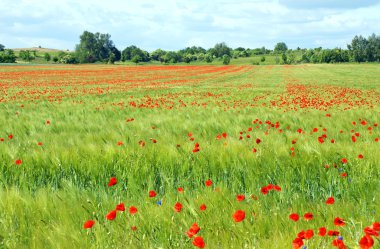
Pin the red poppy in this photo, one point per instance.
(10, 136)
(190, 134)
(353, 138)
(360, 156)
(112, 182)
(152, 193)
(224, 135)
(315, 129)
(239, 216)
(376, 226)
(277, 188)
(141, 143)
(332, 141)
(180, 190)
(119, 143)
(366, 242)
(218, 137)
(111, 215)
(88, 224)
(258, 140)
(343, 175)
(39, 143)
(208, 183)
(295, 217)
(322, 231)
(264, 190)
(194, 229)
(18, 162)
(344, 160)
(254, 150)
(178, 207)
(199, 242)
(240, 197)
(333, 233)
(134, 228)
(339, 222)
(203, 207)
(309, 234)
(47, 122)
(308, 216)
(120, 207)
(330, 200)
(370, 231)
(339, 243)
(196, 149)
(297, 243)
(132, 210)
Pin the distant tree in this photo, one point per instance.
(2, 47)
(111, 58)
(291, 58)
(129, 52)
(94, 47)
(136, 59)
(357, 47)
(201, 57)
(26, 55)
(226, 59)
(208, 58)
(68, 58)
(55, 59)
(284, 58)
(262, 58)
(7, 56)
(171, 57)
(47, 57)
(280, 47)
(158, 55)
(187, 58)
(221, 49)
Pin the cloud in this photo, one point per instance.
(174, 24)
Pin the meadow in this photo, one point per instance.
(115, 156)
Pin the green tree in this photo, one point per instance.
(7, 56)
(226, 59)
(208, 58)
(129, 52)
(221, 49)
(357, 47)
(26, 55)
(55, 59)
(262, 58)
(284, 58)
(158, 55)
(47, 57)
(136, 59)
(280, 48)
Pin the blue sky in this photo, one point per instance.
(174, 24)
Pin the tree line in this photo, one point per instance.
(97, 47)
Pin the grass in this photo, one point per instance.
(61, 184)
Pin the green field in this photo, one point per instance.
(75, 127)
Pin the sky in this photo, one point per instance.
(175, 24)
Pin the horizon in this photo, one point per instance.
(173, 25)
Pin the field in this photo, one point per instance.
(238, 150)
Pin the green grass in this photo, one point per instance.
(61, 184)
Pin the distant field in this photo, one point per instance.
(267, 141)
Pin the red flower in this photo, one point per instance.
(119, 143)
(132, 210)
(322, 231)
(270, 186)
(111, 215)
(366, 242)
(309, 234)
(240, 197)
(277, 188)
(343, 175)
(178, 207)
(333, 233)
(370, 231)
(330, 200)
(353, 138)
(47, 122)
(264, 190)
(208, 183)
(134, 228)
(344, 160)
(39, 143)
(258, 140)
(199, 242)
(18, 162)
(194, 229)
(203, 207)
(339, 243)
(376, 226)
(254, 150)
(152, 193)
(360, 156)
(10, 136)
(239, 216)
(339, 222)
(112, 182)
(88, 224)
(180, 190)
(308, 216)
(294, 217)
(224, 135)
(120, 207)
(297, 243)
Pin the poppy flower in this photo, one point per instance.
(297, 243)
(294, 217)
(48, 122)
(370, 231)
(180, 190)
(240, 197)
(308, 216)
(134, 228)
(194, 229)
(132, 210)
(339, 222)
(10, 136)
(360, 156)
(39, 143)
(344, 160)
(111, 215)
(224, 135)
(203, 207)
(208, 183)
(330, 200)
(277, 188)
(376, 226)
(120, 207)
(18, 162)
(258, 140)
(322, 231)
(366, 242)
(309, 234)
(254, 150)
(353, 138)
(218, 137)
(199, 242)
(119, 143)
(239, 216)
(343, 175)
(112, 182)
(178, 207)
(339, 243)
(264, 190)
(141, 143)
(88, 224)
(333, 233)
